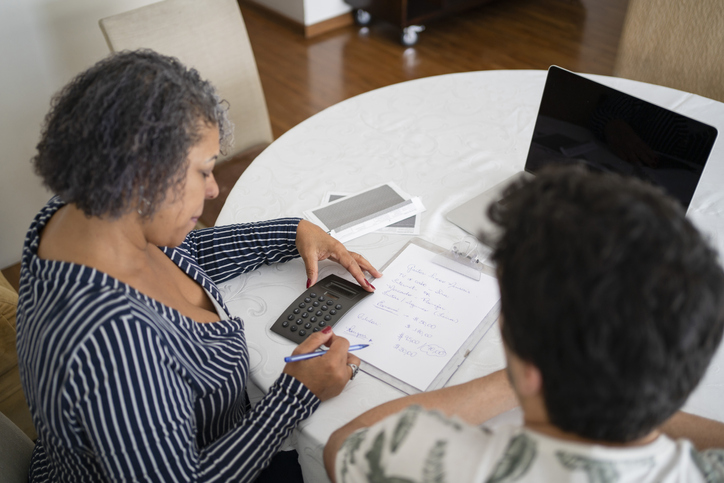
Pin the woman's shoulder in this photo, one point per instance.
(32, 238)
(65, 301)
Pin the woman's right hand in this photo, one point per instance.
(326, 375)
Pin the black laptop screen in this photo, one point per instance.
(581, 121)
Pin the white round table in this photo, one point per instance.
(444, 139)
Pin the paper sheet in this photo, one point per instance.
(364, 212)
(408, 226)
(419, 316)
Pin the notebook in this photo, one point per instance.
(583, 122)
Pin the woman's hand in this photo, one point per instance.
(326, 375)
(314, 244)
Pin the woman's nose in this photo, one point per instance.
(212, 188)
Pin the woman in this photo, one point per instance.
(132, 365)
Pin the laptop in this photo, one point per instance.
(583, 122)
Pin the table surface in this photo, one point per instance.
(444, 139)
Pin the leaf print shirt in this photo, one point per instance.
(422, 446)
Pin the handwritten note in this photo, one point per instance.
(419, 316)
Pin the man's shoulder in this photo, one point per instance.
(710, 463)
(419, 445)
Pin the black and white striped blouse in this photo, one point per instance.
(122, 387)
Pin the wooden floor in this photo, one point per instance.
(302, 76)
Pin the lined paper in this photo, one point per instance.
(418, 318)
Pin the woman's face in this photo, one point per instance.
(184, 204)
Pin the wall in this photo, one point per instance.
(307, 12)
(43, 44)
(316, 11)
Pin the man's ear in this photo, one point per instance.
(529, 379)
(525, 376)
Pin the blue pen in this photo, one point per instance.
(312, 355)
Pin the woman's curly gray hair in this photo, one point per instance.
(117, 136)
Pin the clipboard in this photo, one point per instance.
(463, 351)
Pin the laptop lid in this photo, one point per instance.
(583, 122)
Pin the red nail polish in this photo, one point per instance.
(308, 282)
(326, 330)
(373, 287)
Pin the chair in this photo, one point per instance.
(16, 447)
(210, 36)
(675, 44)
(15, 452)
(12, 399)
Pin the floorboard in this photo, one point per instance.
(303, 76)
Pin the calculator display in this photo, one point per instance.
(341, 289)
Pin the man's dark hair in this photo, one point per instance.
(612, 293)
(117, 136)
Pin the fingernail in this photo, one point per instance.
(369, 284)
(326, 330)
(308, 282)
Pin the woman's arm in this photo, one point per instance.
(134, 398)
(474, 402)
(224, 252)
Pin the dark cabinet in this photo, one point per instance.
(409, 15)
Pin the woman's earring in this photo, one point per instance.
(143, 206)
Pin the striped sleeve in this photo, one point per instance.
(224, 252)
(136, 405)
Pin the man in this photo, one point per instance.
(612, 306)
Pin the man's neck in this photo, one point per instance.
(550, 430)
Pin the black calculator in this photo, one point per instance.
(321, 305)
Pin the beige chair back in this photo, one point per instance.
(676, 44)
(210, 36)
(16, 450)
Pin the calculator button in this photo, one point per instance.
(302, 305)
(305, 314)
(296, 311)
(321, 298)
(310, 309)
(322, 323)
(299, 321)
(302, 332)
(319, 312)
(338, 307)
(285, 323)
(327, 318)
(329, 302)
(307, 299)
(316, 329)
(315, 303)
(332, 312)
(313, 319)
(307, 325)
(293, 328)
(313, 295)
(291, 317)
(323, 307)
